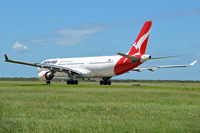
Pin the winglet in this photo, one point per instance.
(193, 63)
(6, 57)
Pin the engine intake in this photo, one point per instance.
(45, 75)
(49, 75)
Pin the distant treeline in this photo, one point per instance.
(19, 79)
(113, 80)
(177, 81)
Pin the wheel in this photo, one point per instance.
(72, 82)
(68, 82)
(48, 82)
(108, 82)
(101, 82)
(105, 82)
(75, 82)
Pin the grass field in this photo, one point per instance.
(161, 107)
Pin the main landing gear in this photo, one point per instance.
(105, 81)
(72, 82)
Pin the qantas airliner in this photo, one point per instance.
(102, 67)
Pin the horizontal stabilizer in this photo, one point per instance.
(131, 57)
(128, 56)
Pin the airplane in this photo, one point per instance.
(100, 67)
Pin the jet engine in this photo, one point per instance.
(45, 75)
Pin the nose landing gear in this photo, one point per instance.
(48, 82)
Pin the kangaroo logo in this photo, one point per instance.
(137, 45)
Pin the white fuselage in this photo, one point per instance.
(90, 67)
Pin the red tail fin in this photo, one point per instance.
(140, 44)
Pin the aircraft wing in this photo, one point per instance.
(151, 68)
(50, 67)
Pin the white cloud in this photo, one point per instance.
(70, 36)
(19, 47)
(186, 13)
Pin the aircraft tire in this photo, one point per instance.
(75, 82)
(101, 82)
(108, 82)
(72, 82)
(68, 82)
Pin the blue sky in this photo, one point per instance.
(37, 30)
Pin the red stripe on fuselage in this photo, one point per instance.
(124, 65)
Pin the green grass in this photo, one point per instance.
(27, 106)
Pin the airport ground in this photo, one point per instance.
(127, 106)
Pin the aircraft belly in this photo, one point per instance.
(60, 74)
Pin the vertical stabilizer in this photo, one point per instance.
(140, 44)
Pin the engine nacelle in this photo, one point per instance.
(45, 75)
(145, 58)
